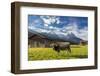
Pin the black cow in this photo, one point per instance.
(59, 47)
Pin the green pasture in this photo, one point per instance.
(50, 54)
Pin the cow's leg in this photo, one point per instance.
(58, 50)
(69, 50)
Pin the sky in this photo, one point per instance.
(60, 24)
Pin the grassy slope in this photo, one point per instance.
(49, 53)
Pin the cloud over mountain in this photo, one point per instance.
(60, 26)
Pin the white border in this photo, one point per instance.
(25, 64)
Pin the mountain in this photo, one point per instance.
(71, 37)
(54, 35)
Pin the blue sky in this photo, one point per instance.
(76, 25)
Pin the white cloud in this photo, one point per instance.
(72, 27)
(83, 33)
(46, 21)
(45, 24)
(35, 22)
(80, 33)
(51, 27)
(50, 20)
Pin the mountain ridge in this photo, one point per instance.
(53, 35)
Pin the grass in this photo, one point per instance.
(50, 54)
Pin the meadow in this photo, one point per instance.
(50, 54)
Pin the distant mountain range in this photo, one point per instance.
(54, 35)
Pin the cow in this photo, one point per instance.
(62, 46)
